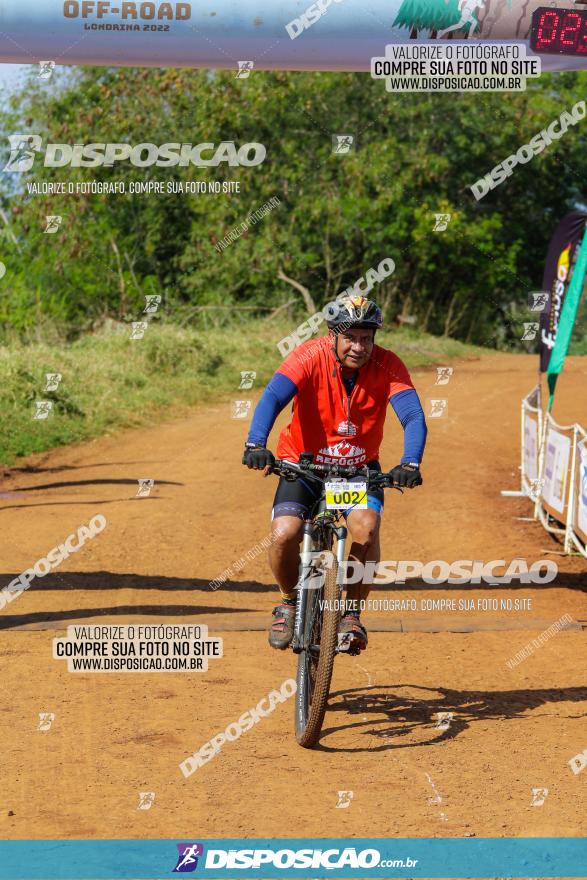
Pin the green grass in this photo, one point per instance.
(111, 381)
(578, 346)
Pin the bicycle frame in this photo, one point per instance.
(315, 539)
(316, 637)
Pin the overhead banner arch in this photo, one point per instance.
(286, 35)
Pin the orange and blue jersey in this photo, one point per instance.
(339, 420)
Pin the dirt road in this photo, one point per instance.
(115, 735)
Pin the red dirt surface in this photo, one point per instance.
(115, 735)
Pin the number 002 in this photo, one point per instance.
(346, 497)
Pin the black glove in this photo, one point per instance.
(406, 476)
(258, 458)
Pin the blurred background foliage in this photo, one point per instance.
(417, 155)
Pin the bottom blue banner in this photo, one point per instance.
(304, 858)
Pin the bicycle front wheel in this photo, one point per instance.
(315, 664)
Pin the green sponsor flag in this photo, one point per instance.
(567, 319)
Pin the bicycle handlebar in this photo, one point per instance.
(322, 472)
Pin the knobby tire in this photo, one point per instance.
(314, 687)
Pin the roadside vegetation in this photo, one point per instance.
(68, 298)
(110, 381)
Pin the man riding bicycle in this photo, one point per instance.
(340, 384)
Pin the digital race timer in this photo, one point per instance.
(560, 31)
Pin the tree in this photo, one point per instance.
(433, 15)
(337, 215)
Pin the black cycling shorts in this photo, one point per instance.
(297, 497)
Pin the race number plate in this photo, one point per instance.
(342, 495)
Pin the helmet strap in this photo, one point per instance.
(335, 350)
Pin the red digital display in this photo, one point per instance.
(562, 31)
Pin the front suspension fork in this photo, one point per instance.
(309, 548)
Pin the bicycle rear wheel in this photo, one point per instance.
(315, 664)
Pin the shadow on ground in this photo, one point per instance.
(8, 621)
(108, 580)
(415, 715)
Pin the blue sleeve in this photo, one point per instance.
(276, 396)
(408, 409)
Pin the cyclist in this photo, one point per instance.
(340, 385)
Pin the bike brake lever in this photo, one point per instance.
(383, 483)
(287, 473)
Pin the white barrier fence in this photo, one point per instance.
(554, 473)
(531, 434)
(555, 476)
(577, 522)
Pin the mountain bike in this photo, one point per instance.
(320, 583)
